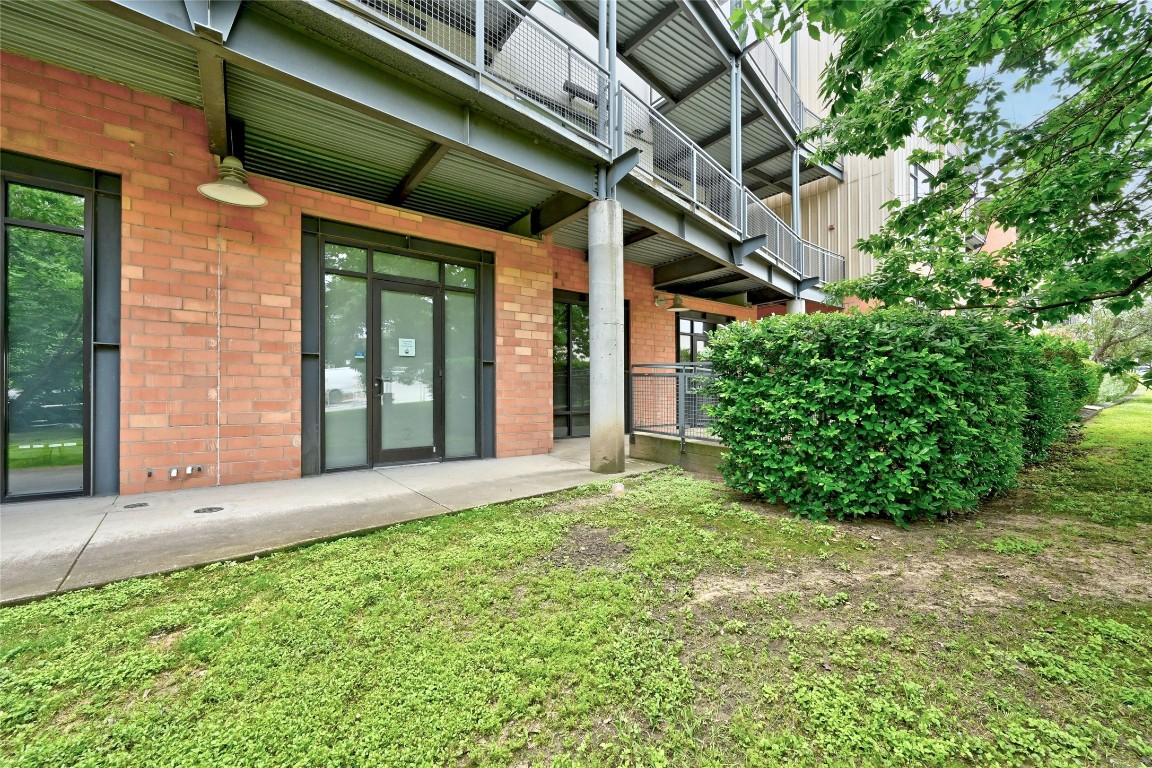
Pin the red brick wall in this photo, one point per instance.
(523, 347)
(652, 330)
(211, 294)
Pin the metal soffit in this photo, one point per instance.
(463, 187)
(314, 142)
(299, 137)
(96, 44)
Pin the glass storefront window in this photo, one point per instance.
(345, 385)
(401, 359)
(459, 374)
(45, 345)
(459, 277)
(45, 206)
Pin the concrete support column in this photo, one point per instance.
(797, 307)
(606, 334)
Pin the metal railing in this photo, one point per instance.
(671, 399)
(677, 162)
(506, 47)
(767, 63)
(518, 54)
(786, 247)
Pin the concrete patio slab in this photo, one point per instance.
(60, 545)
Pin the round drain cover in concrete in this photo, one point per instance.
(206, 510)
(137, 505)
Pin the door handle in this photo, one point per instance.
(378, 385)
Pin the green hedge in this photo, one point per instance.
(1060, 381)
(897, 412)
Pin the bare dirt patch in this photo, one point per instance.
(587, 547)
(945, 569)
(166, 640)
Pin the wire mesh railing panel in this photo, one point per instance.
(767, 63)
(654, 403)
(697, 402)
(449, 25)
(811, 119)
(670, 156)
(762, 221)
(545, 69)
(716, 188)
(672, 400)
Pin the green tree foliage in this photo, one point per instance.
(900, 412)
(1074, 184)
(1123, 338)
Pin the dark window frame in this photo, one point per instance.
(317, 233)
(711, 322)
(581, 299)
(101, 310)
(921, 182)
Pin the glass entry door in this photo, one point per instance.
(409, 381)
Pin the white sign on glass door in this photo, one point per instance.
(407, 347)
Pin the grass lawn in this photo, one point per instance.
(676, 625)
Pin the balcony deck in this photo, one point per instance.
(405, 108)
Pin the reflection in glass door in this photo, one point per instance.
(44, 341)
(409, 378)
(571, 393)
(401, 357)
(571, 364)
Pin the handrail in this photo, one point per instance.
(669, 155)
(672, 399)
(765, 61)
(521, 54)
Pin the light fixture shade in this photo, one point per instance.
(676, 305)
(232, 187)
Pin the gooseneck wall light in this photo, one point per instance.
(674, 304)
(231, 188)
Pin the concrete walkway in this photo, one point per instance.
(55, 546)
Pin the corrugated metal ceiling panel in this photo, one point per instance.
(731, 288)
(679, 54)
(302, 138)
(461, 186)
(575, 235)
(687, 284)
(99, 44)
(759, 139)
(633, 15)
(705, 113)
(656, 251)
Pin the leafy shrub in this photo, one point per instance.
(897, 412)
(1059, 383)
